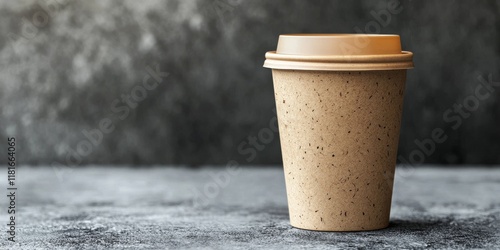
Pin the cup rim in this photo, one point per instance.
(339, 62)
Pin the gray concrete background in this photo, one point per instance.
(63, 64)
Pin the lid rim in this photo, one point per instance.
(322, 66)
(339, 63)
(403, 56)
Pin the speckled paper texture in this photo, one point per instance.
(339, 135)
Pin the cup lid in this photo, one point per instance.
(339, 52)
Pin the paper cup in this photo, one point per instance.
(339, 100)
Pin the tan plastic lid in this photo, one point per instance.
(339, 52)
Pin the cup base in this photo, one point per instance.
(344, 229)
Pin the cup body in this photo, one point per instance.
(339, 133)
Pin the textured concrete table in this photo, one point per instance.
(165, 207)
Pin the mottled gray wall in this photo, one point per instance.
(63, 68)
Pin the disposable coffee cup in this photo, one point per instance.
(339, 99)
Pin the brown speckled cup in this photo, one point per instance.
(339, 122)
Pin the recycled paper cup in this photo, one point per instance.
(339, 99)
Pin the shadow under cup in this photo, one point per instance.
(339, 115)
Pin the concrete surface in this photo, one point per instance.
(159, 208)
